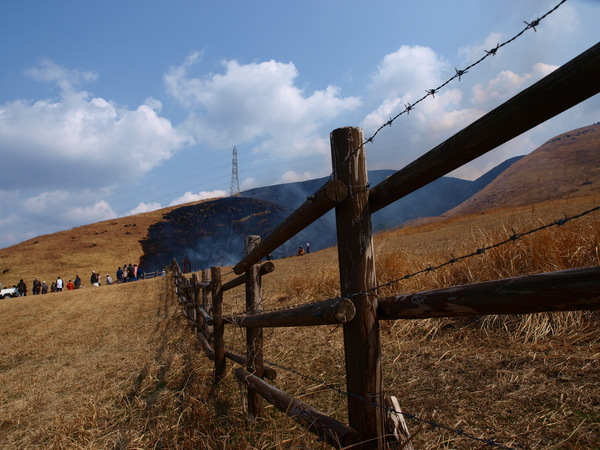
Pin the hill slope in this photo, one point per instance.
(566, 166)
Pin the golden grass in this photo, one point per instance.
(117, 368)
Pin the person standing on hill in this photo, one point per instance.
(37, 286)
(130, 273)
(59, 285)
(94, 278)
(307, 248)
(22, 288)
(119, 275)
(77, 282)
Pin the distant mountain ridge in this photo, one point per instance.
(433, 199)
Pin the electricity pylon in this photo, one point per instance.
(235, 180)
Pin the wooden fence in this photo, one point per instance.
(358, 309)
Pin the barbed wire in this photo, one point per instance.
(458, 74)
(512, 238)
(429, 268)
(331, 387)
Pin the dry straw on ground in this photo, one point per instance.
(117, 368)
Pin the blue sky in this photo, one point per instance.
(118, 107)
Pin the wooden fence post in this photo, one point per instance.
(357, 277)
(254, 336)
(205, 280)
(196, 303)
(218, 324)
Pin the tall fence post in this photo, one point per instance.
(254, 336)
(196, 303)
(218, 324)
(205, 280)
(357, 278)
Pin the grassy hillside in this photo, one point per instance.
(117, 368)
(567, 166)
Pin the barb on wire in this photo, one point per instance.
(493, 51)
(460, 73)
(533, 24)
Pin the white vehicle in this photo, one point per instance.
(8, 292)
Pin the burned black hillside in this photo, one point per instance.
(212, 233)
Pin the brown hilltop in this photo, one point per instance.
(566, 166)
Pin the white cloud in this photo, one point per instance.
(189, 197)
(290, 176)
(144, 207)
(57, 207)
(78, 140)
(508, 84)
(67, 153)
(47, 70)
(97, 212)
(408, 73)
(251, 101)
(248, 183)
(44, 202)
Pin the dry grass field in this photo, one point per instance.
(116, 367)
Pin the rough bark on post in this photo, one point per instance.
(196, 301)
(205, 280)
(357, 277)
(218, 324)
(254, 336)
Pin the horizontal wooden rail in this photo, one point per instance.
(328, 312)
(564, 88)
(324, 200)
(334, 432)
(208, 350)
(565, 290)
(206, 318)
(200, 285)
(265, 268)
(268, 372)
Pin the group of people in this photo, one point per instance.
(301, 250)
(129, 272)
(41, 287)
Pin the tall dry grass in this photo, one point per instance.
(528, 381)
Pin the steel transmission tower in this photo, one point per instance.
(234, 190)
